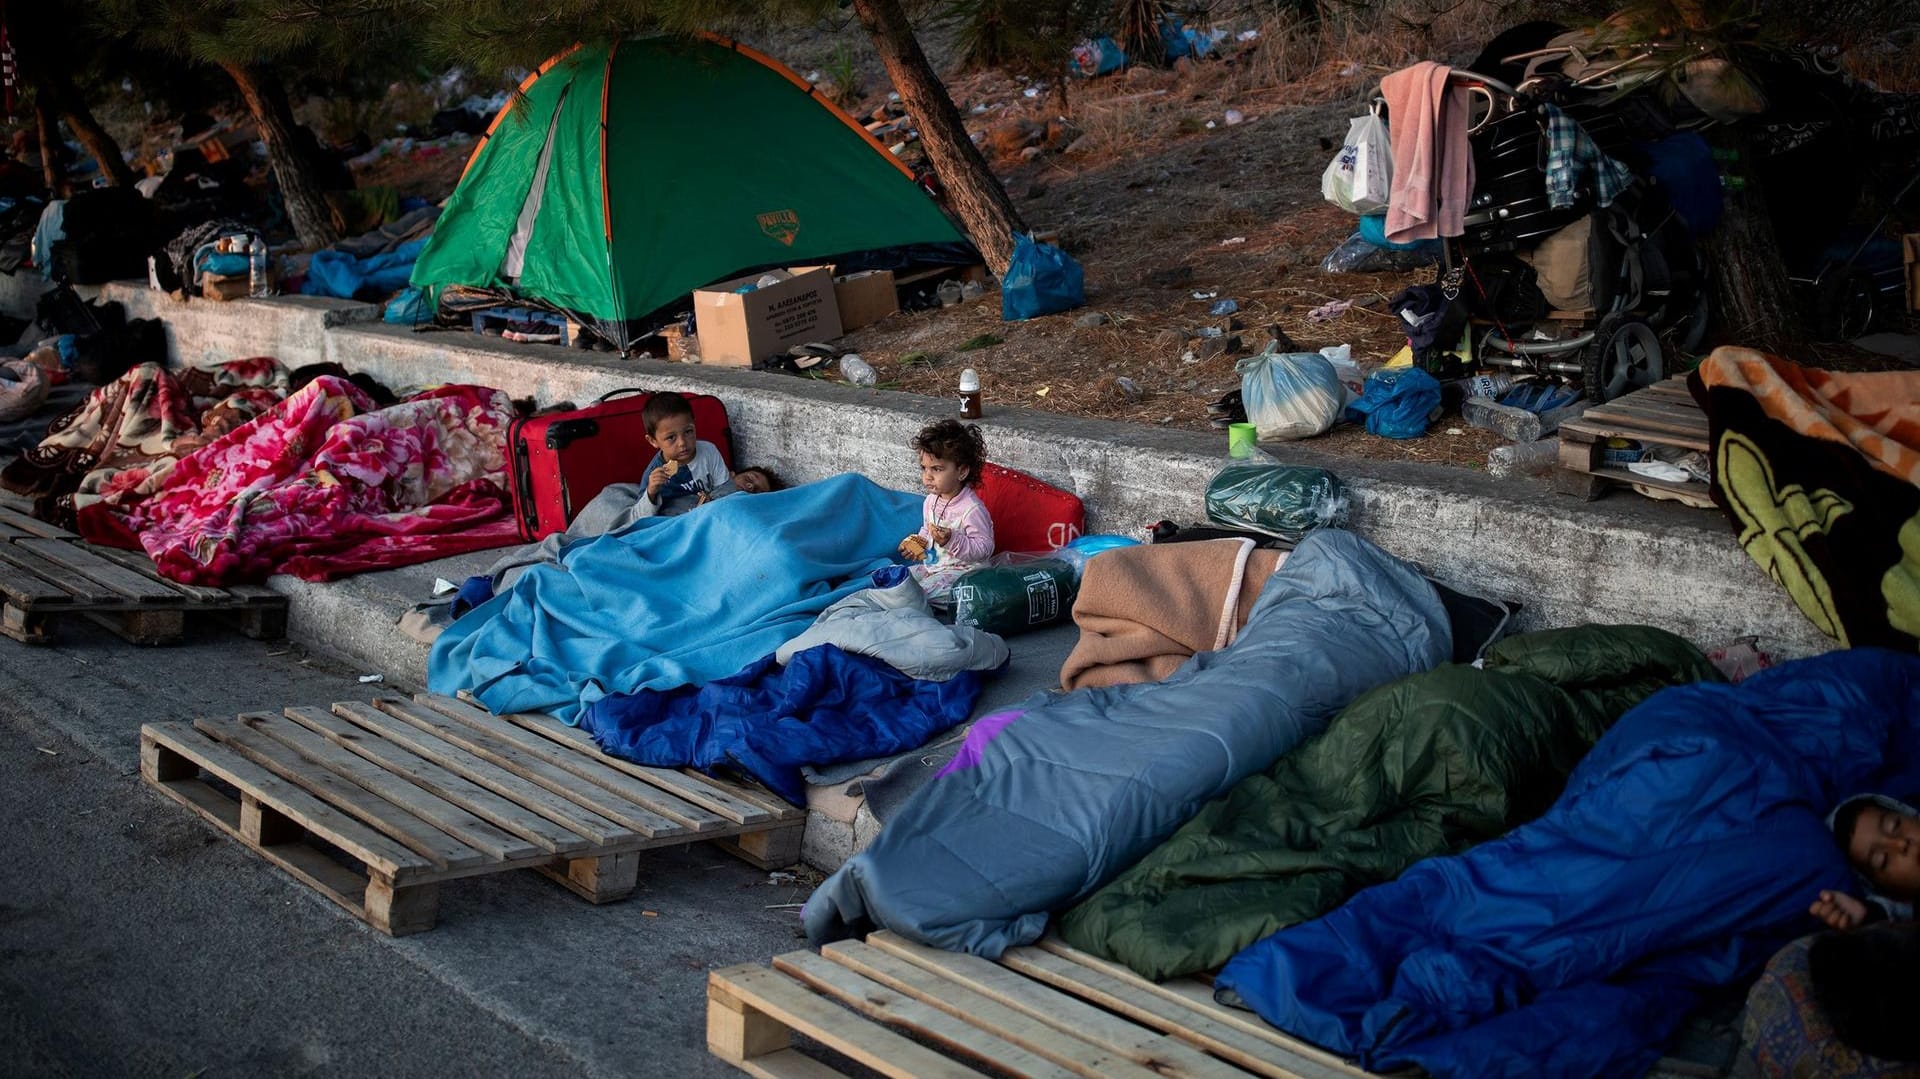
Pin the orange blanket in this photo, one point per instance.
(1819, 474)
(1143, 611)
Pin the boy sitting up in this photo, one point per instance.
(687, 470)
(1881, 837)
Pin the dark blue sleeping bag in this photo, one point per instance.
(825, 706)
(1683, 853)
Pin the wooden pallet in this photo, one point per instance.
(48, 573)
(904, 1009)
(1663, 414)
(434, 789)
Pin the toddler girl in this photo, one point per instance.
(957, 533)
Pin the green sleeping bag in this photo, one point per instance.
(1425, 766)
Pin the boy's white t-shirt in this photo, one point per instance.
(706, 472)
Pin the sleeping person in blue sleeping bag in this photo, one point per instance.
(1682, 854)
(1881, 838)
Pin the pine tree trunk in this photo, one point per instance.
(986, 213)
(1753, 300)
(49, 131)
(73, 109)
(299, 188)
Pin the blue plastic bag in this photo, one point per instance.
(1097, 56)
(229, 264)
(338, 274)
(1101, 541)
(1174, 42)
(1684, 166)
(1397, 402)
(411, 308)
(1373, 229)
(1041, 280)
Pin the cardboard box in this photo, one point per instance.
(1910, 243)
(680, 343)
(737, 328)
(864, 298)
(223, 287)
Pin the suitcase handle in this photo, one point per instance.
(611, 394)
(563, 432)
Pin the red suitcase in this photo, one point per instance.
(560, 460)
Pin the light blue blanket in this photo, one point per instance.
(672, 601)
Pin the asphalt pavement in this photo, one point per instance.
(136, 940)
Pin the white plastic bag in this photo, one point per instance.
(1290, 395)
(1362, 172)
(1353, 378)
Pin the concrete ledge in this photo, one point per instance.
(20, 292)
(292, 329)
(357, 619)
(1622, 559)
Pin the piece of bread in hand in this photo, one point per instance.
(915, 547)
(671, 468)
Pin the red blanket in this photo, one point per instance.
(324, 485)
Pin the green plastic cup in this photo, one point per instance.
(1240, 439)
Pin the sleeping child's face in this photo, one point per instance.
(1885, 848)
(674, 438)
(751, 481)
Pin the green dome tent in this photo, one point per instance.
(635, 172)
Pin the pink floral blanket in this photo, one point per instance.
(324, 485)
(120, 443)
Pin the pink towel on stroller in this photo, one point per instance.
(1432, 165)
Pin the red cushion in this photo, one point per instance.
(1029, 515)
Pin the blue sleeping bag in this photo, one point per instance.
(1050, 801)
(1683, 853)
(823, 707)
(672, 601)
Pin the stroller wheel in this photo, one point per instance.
(1692, 330)
(1844, 305)
(1625, 355)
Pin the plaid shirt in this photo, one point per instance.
(1570, 152)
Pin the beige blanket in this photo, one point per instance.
(1143, 611)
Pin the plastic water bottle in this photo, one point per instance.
(1488, 385)
(858, 371)
(257, 285)
(1523, 458)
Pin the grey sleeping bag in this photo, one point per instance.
(1049, 801)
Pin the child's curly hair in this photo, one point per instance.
(774, 482)
(955, 443)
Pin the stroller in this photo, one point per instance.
(1586, 294)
